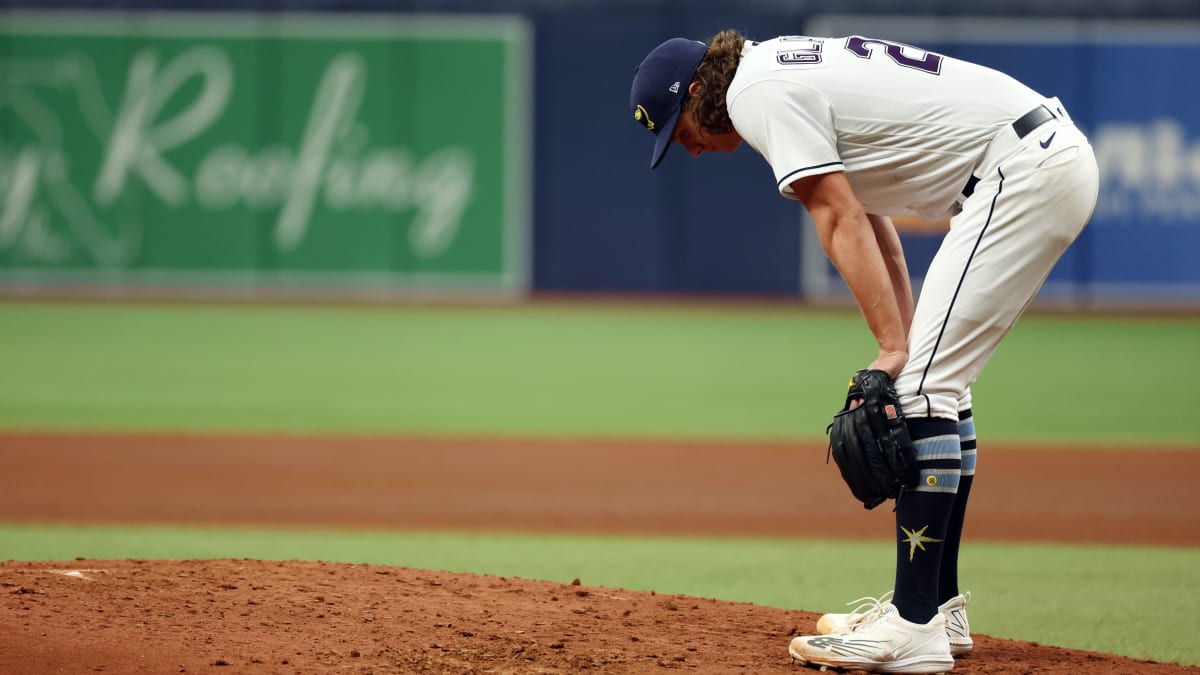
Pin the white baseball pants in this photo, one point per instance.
(1033, 198)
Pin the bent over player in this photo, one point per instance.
(859, 130)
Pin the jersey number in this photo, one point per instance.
(926, 62)
(801, 51)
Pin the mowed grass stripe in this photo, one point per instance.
(598, 371)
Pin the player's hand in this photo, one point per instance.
(890, 363)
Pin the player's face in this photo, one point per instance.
(697, 141)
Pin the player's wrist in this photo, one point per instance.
(890, 362)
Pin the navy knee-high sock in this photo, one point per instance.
(948, 581)
(922, 517)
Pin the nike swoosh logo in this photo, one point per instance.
(1046, 143)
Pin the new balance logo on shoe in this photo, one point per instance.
(958, 628)
(956, 623)
(844, 646)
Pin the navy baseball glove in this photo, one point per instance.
(870, 443)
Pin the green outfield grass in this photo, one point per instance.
(600, 371)
(1138, 602)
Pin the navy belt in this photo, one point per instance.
(1031, 120)
(1024, 126)
(969, 188)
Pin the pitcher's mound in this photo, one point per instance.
(251, 616)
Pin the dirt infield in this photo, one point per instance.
(266, 617)
(291, 617)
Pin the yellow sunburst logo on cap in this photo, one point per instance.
(644, 117)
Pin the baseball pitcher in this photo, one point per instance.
(858, 130)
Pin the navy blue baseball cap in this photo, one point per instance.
(659, 86)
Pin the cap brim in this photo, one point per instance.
(663, 141)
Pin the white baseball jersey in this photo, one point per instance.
(906, 125)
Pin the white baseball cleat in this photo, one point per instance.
(958, 629)
(881, 642)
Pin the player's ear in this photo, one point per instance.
(695, 88)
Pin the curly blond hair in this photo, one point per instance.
(714, 74)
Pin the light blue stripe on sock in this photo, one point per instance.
(939, 480)
(938, 447)
(966, 432)
(966, 429)
(968, 463)
(939, 458)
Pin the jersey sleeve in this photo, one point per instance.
(791, 126)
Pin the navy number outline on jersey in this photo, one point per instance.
(863, 48)
(801, 51)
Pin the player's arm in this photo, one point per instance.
(851, 242)
(893, 257)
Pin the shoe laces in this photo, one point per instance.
(867, 610)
